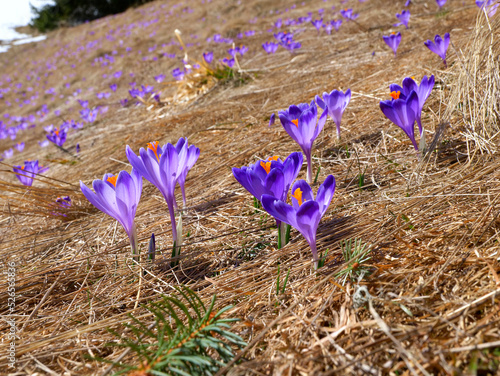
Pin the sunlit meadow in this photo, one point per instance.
(254, 187)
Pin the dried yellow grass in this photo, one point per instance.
(433, 225)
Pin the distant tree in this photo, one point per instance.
(74, 12)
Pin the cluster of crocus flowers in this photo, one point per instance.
(118, 196)
(26, 173)
(270, 47)
(348, 14)
(405, 107)
(305, 212)
(423, 91)
(335, 103)
(273, 177)
(164, 167)
(58, 136)
(439, 46)
(393, 41)
(490, 6)
(302, 124)
(286, 40)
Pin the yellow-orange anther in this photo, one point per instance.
(296, 122)
(273, 158)
(395, 94)
(56, 131)
(266, 166)
(298, 195)
(413, 78)
(112, 179)
(154, 146)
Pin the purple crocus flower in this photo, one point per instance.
(232, 51)
(393, 41)
(491, 6)
(348, 15)
(286, 40)
(58, 136)
(317, 24)
(403, 113)
(302, 124)
(243, 50)
(440, 46)
(305, 212)
(335, 103)
(162, 166)
(64, 202)
(270, 47)
(88, 115)
(336, 24)
(423, 91)
(27, 173)
(113, 87)
(83, 103)
(440, 3)
(118, 197)
(404, 18)
(208, 57)
(8, 153)
(273, 177)
(272, 119)
(192, 156)
(178, 74)
(20, 146)
(228, 62)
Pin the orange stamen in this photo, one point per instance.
(266, 166)
(56, 132)
(112, 179)
(273, 158)
(296, 122)
(298, 195)
(395, 94)
(154, 146)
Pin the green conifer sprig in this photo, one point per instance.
(186, 338)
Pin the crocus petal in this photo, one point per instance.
(291, 168)
(325, 194)
(107, 197)
(275, 182)
(96, 200)
(279, 210)
(126, 194)
(320, 101)
(308, 217)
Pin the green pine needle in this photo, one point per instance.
(355, 254)
(186, 338)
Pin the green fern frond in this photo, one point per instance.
(186, 338)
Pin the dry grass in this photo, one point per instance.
(434, 225)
